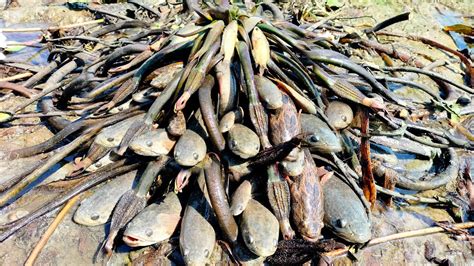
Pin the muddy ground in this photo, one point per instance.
(73, 244)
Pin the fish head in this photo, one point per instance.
(139, 231)
(295, 167)
(144, 230)
(310, 231)
(190, 149)
(323, 140)
(111, 136)
(89, 216)
(199, 255)
(189, 158)
(260, 243)
(318, 136)
(152, 143)
(354, 230)
(155, 223)
(139, 239)
(192, 258)
(243, 141)
(237, 209)
(197, 237)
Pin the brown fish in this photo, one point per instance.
(307, 201)
(177, 125)
(284, 122)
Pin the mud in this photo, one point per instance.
(411, 251)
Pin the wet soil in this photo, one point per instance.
(72, 244)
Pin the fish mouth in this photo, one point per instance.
(359, 236)
(135, 242)
(86, 221)
(311, 239)
(363, 233)
(242, 154)
(264, 252)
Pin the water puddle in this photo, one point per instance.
(23, 47)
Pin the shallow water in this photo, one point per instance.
(25, 54)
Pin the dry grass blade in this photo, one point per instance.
(419, 232)
(368, 182)
(17, 77)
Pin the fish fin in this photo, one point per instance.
(104, 252)
(79, 165)
(325, 177)
(288, 180)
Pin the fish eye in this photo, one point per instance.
(206, 252)
(148, 232)
(268, 13)
(99, 164)
(149, 143)
(95, 216)
(186, 252)
(195, 156)
(110, 139)
(250, 239)
(341, 223)
(233, 143)
(344, 118)
(314, 138)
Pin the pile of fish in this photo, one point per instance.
(233, 125)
